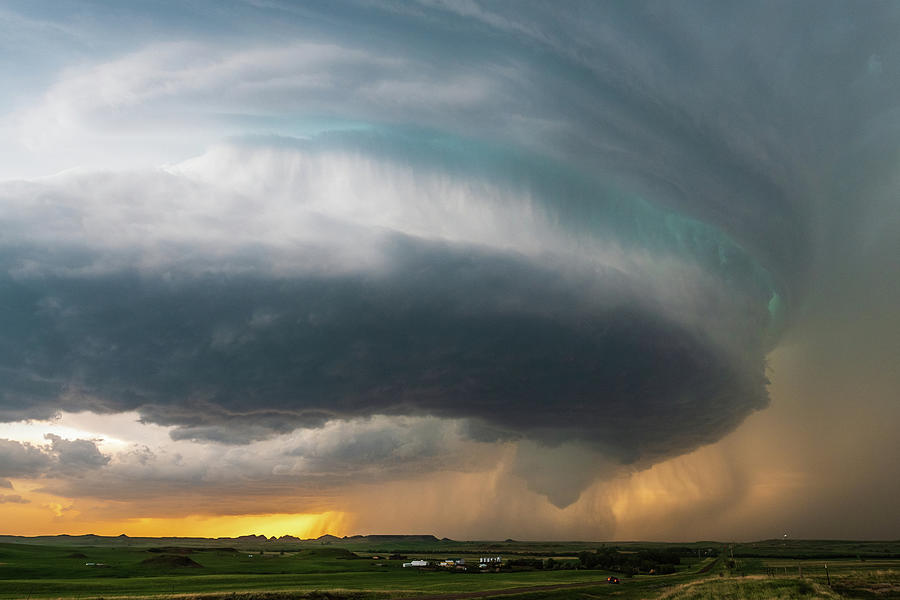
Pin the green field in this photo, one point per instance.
(88, 567)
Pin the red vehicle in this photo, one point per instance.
(612, 580)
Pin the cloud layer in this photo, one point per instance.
(571, 235)
(257, 289)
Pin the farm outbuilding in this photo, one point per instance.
(416, 563)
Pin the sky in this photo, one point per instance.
(486, 270)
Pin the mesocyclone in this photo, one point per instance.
(582, 226)
(275, 283)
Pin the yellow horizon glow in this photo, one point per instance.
(48, 522)
(45, 514)
(302, 525)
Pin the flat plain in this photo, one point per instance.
(255, 568)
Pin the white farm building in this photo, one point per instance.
(416, 563)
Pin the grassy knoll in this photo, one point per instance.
(868, 583)
(749, 588)
(851, 578)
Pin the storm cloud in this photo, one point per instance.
(62, 457)
(581, 231)
(237, 338)
(21, 460)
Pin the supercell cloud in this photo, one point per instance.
(294, 285)
(558, 228)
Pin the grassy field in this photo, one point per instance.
(273, 570)
(71, 571)
(752, 588)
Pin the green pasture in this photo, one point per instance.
(407, 582)
(269, 571)
(39, 562)
(30, 571)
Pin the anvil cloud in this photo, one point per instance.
(361, 242)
